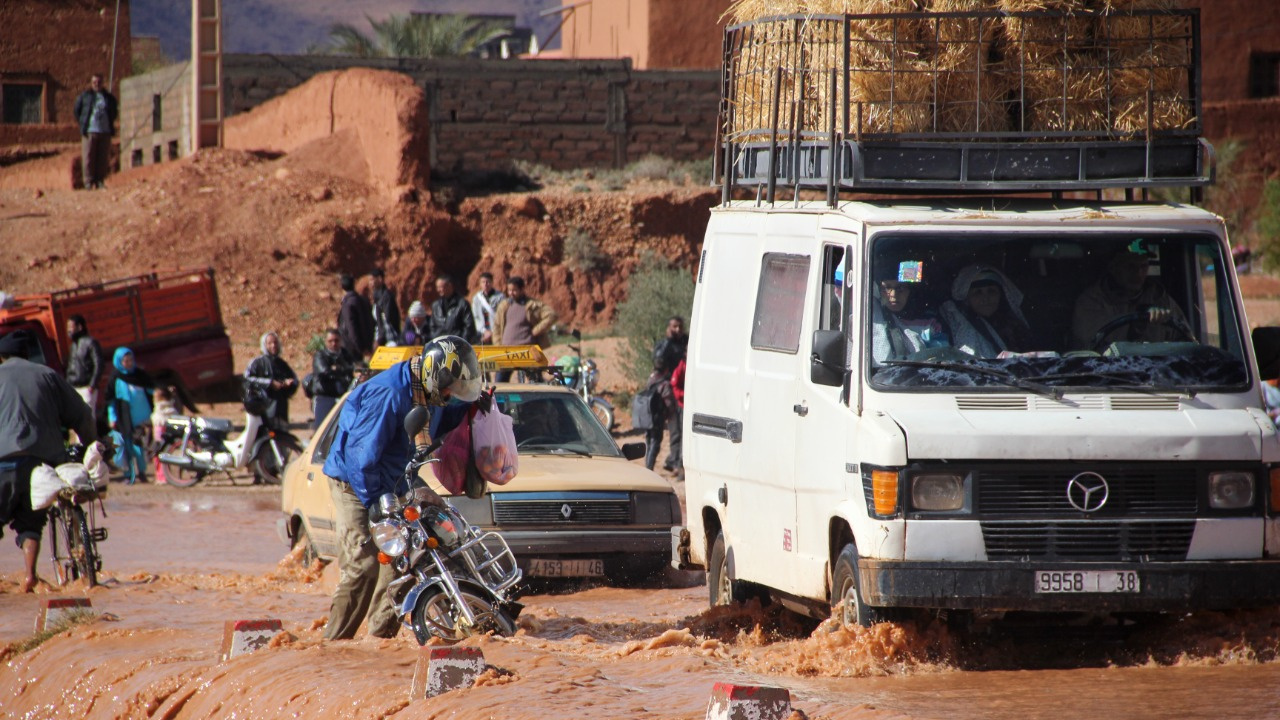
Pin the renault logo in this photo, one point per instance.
(566, 511)
(1088, 492)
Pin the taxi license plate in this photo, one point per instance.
(1087, 581)
(566, 568)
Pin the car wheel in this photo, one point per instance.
(721, 587)
(303, 540)
(846, 600)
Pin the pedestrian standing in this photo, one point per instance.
(355, 320)
(35, 405)
(450, 313)
(332, 370)
(276, 378)
(386, 311)
(668, 353)
(96, 111)
(129, 413)
(483, 304)
(84, 362)
(520, 320)
(664, 408)
(676, 425)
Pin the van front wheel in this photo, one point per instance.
(845, 598)
(720, 583)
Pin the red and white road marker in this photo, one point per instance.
(748, 702)
(240, 637)
(441, 669)
(53, 610)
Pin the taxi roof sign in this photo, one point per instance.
(491, 357)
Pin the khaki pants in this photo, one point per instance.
(95, 153)
(362, 583)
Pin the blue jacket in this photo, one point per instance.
(370, 449)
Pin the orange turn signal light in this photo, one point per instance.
(884, 491)
(433, 543)
(384, 558)
(411, 513)
(1275, 490)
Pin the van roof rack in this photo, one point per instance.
(975, 101)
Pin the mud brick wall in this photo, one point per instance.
(485, 114)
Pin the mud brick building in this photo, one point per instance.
(48, 50)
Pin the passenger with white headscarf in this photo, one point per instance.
(270, 372)
(985, 313)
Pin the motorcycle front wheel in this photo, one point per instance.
(602, 413)
(436, 615)
(177, 475)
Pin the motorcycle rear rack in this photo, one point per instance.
(499, 565)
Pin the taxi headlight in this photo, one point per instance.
(389, 537)
(1230, 490)
(937, 492)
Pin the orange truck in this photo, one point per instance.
(171, 321)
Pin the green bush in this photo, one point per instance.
(315, 344)
(1268, 225)
(582, 251)
(656, 291)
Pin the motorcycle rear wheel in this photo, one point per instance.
(177, 475)
(436, 616)
(264, 464)
(603, 414)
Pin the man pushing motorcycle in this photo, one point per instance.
(368, 457)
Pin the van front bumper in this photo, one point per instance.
(992, 586)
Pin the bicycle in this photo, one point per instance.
(74, 535)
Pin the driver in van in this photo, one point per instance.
(1125, 289)
(367, 458)
(898, 327)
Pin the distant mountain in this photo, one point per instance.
(288, 27)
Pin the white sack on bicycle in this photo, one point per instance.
(96, 465)
(494, 441)
(45, 486)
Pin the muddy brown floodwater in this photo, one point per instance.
(180, 563)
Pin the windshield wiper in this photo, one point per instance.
(1124, 383)
(1005, 375)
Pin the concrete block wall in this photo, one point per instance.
(140, 142)
(485, 114)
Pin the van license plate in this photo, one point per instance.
(566, 568)
(1087, 581)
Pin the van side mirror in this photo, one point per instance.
(1266, 348)
(826, 365)
(415, 421)
(633, 451)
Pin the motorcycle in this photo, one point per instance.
(455, 580)
(192, 447)
(582, 375)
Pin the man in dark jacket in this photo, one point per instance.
(386, 312)
(84, 363)
(331, 375)
(451, 313)
(95, 110)
(355, 320)
(667, 354)
(36, 403)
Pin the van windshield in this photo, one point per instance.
(1045, 312)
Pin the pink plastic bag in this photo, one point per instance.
(454, 453)
(494, 440)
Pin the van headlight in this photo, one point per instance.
(937, 491)
(1230, 490)
(389, 537)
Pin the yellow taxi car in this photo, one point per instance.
(577, 508)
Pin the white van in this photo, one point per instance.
(844, 451)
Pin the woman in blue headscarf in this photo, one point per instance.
(129, 412)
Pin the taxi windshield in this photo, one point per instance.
(1122, 311)
(556, 423)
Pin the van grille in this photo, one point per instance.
(1119, 541)
(1133, 490)
(552, 512)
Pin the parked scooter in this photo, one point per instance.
(193, 447)
(455, 580)
(582, 374)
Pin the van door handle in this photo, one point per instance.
(800, 409)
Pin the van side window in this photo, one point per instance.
(830, 316)
(780, 302)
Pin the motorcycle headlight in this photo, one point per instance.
(1230, 490)
(389, 537)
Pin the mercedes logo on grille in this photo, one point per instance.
(1088, 492)
(566, 511)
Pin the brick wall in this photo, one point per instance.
(485, 114)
